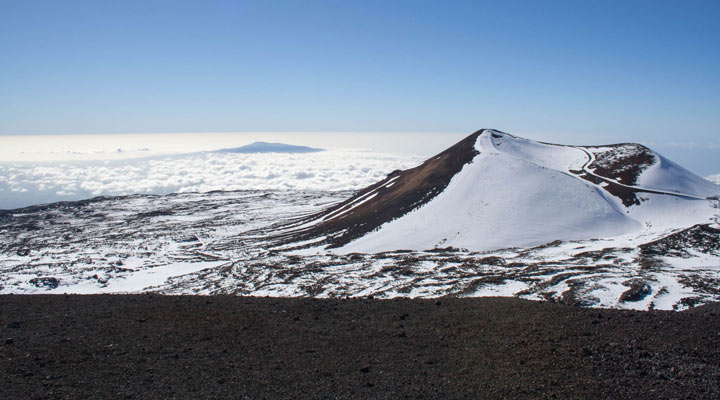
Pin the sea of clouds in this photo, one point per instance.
(29, 183)
(45, 169)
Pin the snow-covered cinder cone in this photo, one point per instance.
(494, 190)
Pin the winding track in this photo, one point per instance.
(591, 159)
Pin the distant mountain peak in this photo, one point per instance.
(266, 147)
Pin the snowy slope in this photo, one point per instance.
(517, 193)
(665, 175)
(559, 158)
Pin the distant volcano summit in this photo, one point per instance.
(265, 147)
(494, 190)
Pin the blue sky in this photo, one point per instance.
(606, 70)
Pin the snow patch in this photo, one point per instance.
(667, 176)
(137, 281)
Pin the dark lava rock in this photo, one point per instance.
(638, 291)
(239, 347)
(493, 261)
(48, 282)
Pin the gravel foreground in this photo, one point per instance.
(152, 346)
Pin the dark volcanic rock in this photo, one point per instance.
(622, 162)
(48, 282)
(149, 346)
(701, 238)
(638, 291)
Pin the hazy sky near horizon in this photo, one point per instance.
(645, 71)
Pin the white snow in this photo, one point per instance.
(662, 212)
(503, 200)
(505, 289)
(561, 158)
(134, 282)
(670, 177)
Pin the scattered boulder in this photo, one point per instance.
(638, 291)
(47, 282)
(493, 260)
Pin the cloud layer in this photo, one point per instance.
(23, 184)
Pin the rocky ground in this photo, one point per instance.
(154, 346)
(222, 243)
